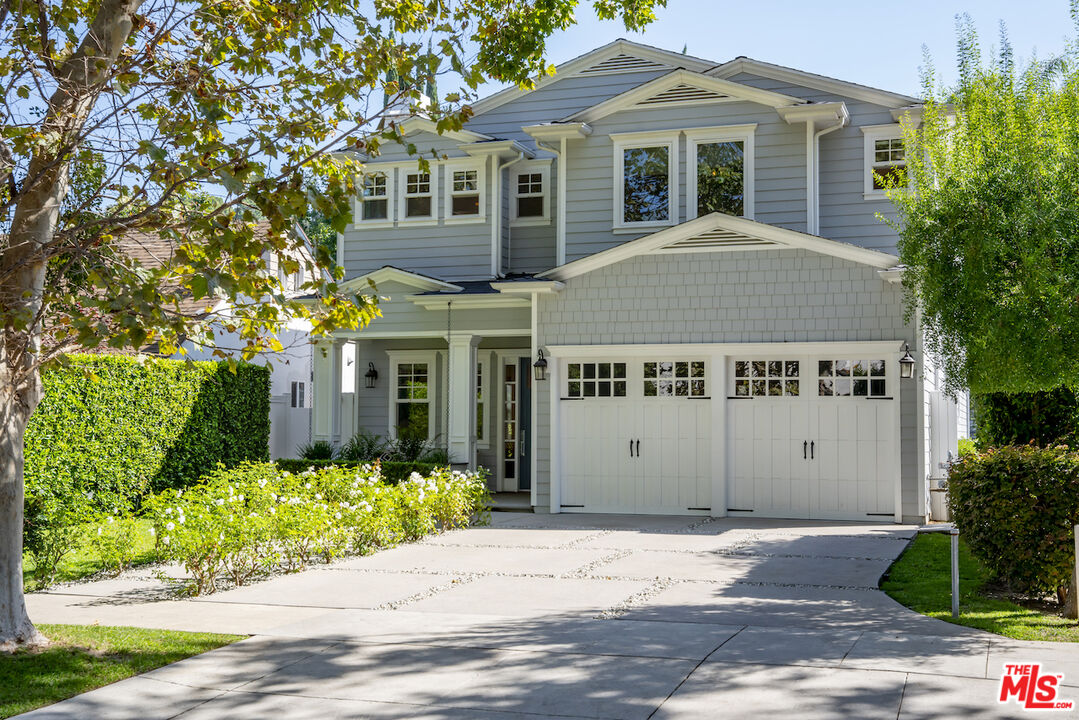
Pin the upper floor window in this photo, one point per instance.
(418, 195)
(464, 193)
(375, 206)
(885, 159)
(719, 171)
(530, 205)
(646, 179)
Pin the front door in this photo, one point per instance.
(516, 424)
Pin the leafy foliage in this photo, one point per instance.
(1043, 418)
(990, 232)
(1015, 508)
(391, 471)
(254, 519)
(317, 450)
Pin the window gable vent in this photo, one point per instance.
(717, 240)
(623, 63)
(681, 94)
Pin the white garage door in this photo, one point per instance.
(812, 438)
(636, 436)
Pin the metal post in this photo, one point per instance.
(954, 532)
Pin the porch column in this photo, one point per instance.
(461, 373)
(326, 421)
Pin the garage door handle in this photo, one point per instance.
(811, 450)
(631, 448)
(805, 443)
(638, 448)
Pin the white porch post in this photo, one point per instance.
(327, 410)
(462, 398)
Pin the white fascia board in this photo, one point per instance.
(467, 302)
(502, 148)
(556, 131)
(528, 287)
(392, 274)
(828, 113)
(893, 275)
(421, 124)
(812, 80)
(582, 62)
(719, 221)
(776, 348)
(628, 99)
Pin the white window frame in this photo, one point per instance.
(431, 219)
(298, 394)
(627, 141)
(413, 356)
(482, 386)
(391, 199)
(872, 133)
(720, 134)
(536, 167)
(479, 167)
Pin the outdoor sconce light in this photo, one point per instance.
(540, 367)
(370, 376)
(906, 364)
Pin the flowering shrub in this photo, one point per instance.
(255, 518)
(114, 542)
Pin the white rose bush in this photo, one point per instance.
(252, 520)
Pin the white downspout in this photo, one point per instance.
(811, 183)
(496, 270)
(814, 229)
(560, 241)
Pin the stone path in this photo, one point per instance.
(568, 616)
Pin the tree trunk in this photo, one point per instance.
(1071, 604)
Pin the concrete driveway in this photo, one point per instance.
(568, 616)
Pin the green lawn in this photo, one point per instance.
(84, 561)
(921, 580)
(84, 657)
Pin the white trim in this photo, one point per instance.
(557, 131)
(543, 169)
(593, 57)
(531, 287)
(413, 356)
(625, 141)
(417, 124)
(392, 274)
(389, 172)
(483, 386)
(630, 98)
(779, 349)
(721, 133)
(403, 196)
(812, 80)
(467, 302)
(452, 166)
(368, 334)
(555, 429)
(872, 133)
(714, 221)
(534, 401)
(509, 148)
(893, 275)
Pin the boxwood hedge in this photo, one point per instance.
(110, 429)
(1015, 507)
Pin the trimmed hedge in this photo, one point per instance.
(392, 472)
(1015, 507)
(1043, 418)
(111, 429)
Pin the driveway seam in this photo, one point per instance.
(695, 668)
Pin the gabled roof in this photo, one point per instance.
(389, 273)
(417, 124)
(652, 93)
(843, 88)
(615, 57)
(720, 232)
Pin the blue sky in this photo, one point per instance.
(874, 43)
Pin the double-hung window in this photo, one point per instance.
(530, 184)
(719, 170)
(885, 159)
(418, 194)
(412, 397)
(645, 179)
(464, 193)
(375, 205)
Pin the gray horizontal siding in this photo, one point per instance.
(779, 188)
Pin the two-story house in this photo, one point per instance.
(652, 284)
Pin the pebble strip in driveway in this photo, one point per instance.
(570, 616)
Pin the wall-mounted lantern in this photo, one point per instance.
(540, 367)
(906, 364)
(370, 376)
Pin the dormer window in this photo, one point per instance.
(885, 159)
(418, 196)
(530, 204)
(646, 187)
(464, 194)
(375, 203)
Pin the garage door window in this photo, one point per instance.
(767, 378)
(596, 380)
(681, 378)
(851, 378)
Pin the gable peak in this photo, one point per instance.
(623, 62)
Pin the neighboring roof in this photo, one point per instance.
(603, 60)
(717, 231)
(718, 90)
(389, 273)
(417, 123)
(843, 88)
